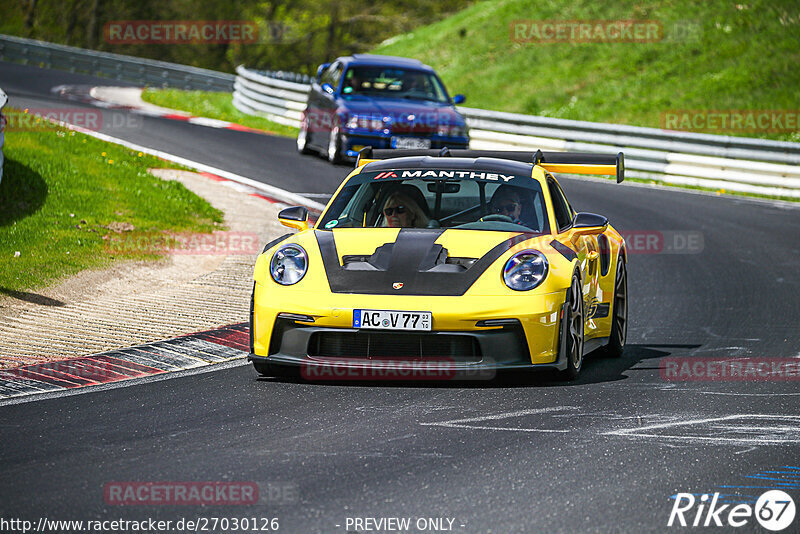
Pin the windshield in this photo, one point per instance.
(392, 82)
(469, 200)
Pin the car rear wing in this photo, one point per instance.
(568, 162)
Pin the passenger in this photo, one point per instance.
(352, 85)
(401, 211)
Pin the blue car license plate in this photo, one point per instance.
(410, 142)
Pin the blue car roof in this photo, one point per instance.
(374, 59)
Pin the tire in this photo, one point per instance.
(619, 309)
(335, 146)
(302, 137)
(574, 321)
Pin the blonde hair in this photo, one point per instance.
(418, 218)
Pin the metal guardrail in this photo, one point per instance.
(116, 66)
(721, 162)
(285, 75)
(742, 164)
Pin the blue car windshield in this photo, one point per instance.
(481, 200)
(393, 82)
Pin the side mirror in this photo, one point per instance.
(295, 217)
(589, 224)
(459, 99)
(328, 88)
(321, 69)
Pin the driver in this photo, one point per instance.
(412, 83)
(506, 201)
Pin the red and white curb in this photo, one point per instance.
(186, 352)
(85, 94)
(254, 192)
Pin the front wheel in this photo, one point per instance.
(335, 146)
(619, 321)
(574, 324)
(302, 137)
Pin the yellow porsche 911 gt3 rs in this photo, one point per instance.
(456, 260)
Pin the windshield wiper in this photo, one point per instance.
(425, 98)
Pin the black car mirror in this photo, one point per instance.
(295, 217)
(321, 69)
(589, 223)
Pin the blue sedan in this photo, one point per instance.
(382, 102)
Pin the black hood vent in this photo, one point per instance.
(414, 262)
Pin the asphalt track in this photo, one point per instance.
(518, 454)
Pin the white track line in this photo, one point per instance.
(460, 423)
(270, 190)
(763, 439)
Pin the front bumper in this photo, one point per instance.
(458, 344)
(351, 354)
(355, 140)
(354, 369)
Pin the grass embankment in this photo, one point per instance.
(213, 105)
(709, 56)
(713, 56)
(64, 196)
(706, 57)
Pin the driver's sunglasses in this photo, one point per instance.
(390, 211)
(506, 207)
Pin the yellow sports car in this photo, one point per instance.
(443, 261)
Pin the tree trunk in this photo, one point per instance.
(332, 27)
(91, 29)
(30, 17)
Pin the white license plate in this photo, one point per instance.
(410, 142)
(392, 320)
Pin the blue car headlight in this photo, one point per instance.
(289, 264)
(366, 122)
(452, 130)
(525, 270)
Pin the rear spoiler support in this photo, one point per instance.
(568, 162)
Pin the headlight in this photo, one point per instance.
(525, 270)
(289, 264)
(366, 122)
(452, 130)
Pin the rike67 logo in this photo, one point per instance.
(774, 510)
